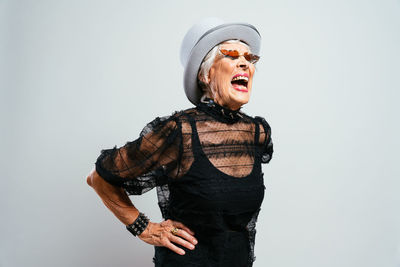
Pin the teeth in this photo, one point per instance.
(240, 78)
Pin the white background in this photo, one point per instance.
(80, 76)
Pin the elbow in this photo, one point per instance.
(95, 181)
(89, 180)
(92, 177)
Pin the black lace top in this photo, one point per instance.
(206, 165)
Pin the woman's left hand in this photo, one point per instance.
(160, 234)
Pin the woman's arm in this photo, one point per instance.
(157, 234)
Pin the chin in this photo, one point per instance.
(239, 101)
(243, 102)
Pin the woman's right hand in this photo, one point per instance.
(159, 234)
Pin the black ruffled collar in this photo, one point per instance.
(219, 112)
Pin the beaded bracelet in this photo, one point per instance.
(139, 225)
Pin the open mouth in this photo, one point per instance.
(239, 82)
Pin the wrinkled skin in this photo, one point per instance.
(220, 76)
(225, 94)
(157, 234)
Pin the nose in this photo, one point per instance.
(242, 63)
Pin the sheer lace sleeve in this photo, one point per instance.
(265, 136)
(140, 165)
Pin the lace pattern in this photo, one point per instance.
(164, 152)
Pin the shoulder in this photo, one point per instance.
(265, 139)
(261, 121)
(171, 121)
(265, 128)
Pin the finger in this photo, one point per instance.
(181, 242)
(174, 248)
(182, 226)
(187, 236)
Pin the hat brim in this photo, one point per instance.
(241, 31)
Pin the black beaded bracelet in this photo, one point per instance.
(139, 225)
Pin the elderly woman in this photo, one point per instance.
(204, 161)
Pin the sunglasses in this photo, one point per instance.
(234, 54)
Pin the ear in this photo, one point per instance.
(205, 80)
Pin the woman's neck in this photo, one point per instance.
(229, 106)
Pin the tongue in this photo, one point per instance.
(238, 85)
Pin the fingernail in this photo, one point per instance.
(182, 252)
(191, 246)
(195, 242)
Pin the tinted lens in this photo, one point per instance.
(230, 53)
(235, 54)
(248, 56)
(251, 58)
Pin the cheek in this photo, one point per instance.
(252, 70)
(252, 74)
(221, 73)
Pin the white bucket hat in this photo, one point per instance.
(201, 38)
